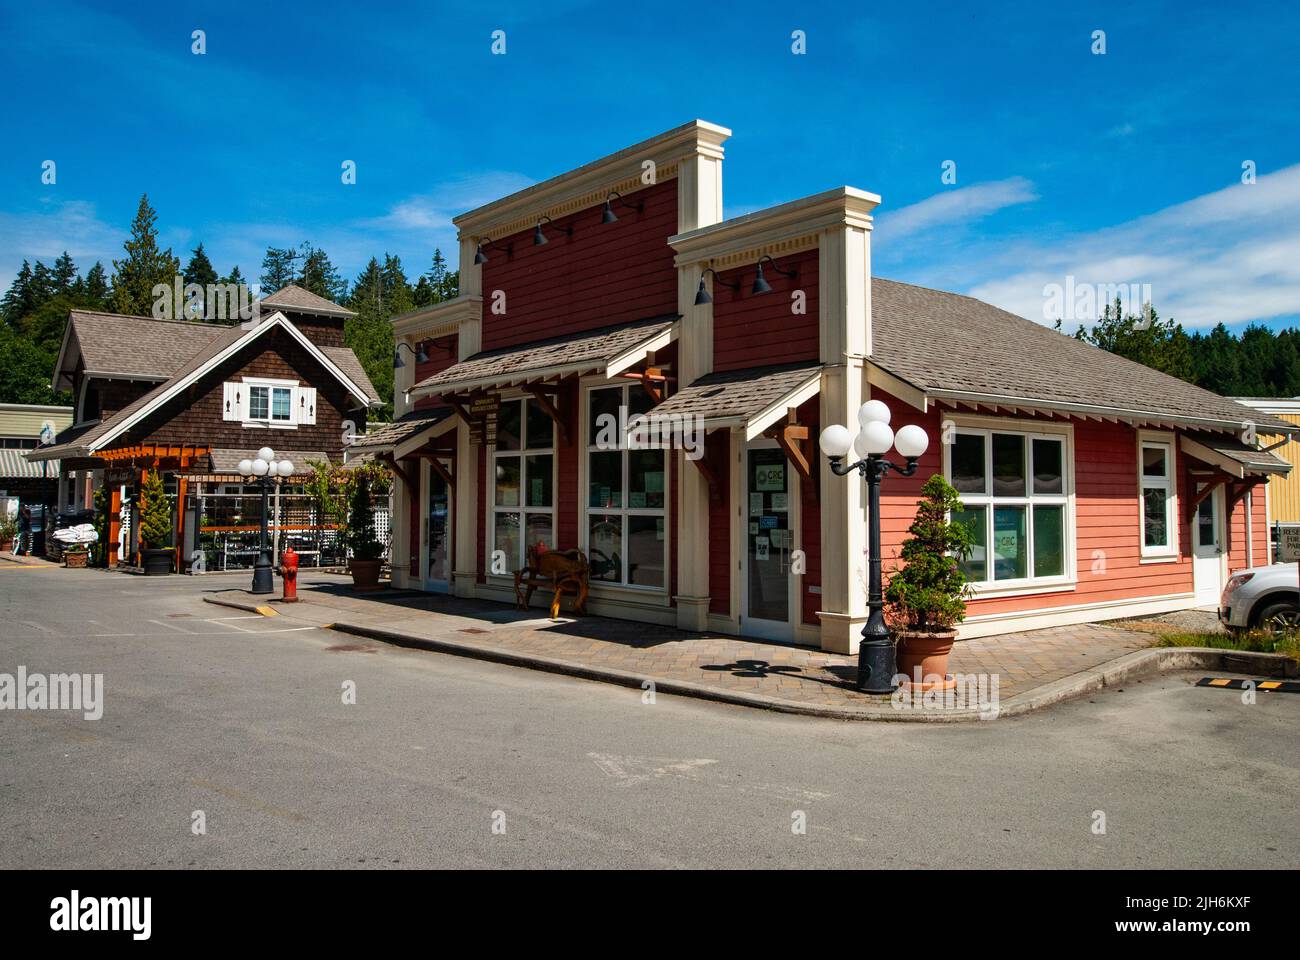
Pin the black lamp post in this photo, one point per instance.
(876, 662)
(265, 469)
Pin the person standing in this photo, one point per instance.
(24, 531)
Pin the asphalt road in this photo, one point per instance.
(243, 718)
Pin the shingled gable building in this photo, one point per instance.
(190, 400)
(1097, 488)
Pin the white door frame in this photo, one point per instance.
(781, 631)
(426, 487)
(1202, 565)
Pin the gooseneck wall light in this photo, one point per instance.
(608, 215)
(420, 355)
(876, 662)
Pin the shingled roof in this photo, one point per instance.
(1238, 458)
(294, 299)
(388, 435)
(586, 352)
(112, 344)
(225, 338)
(739, 395)
(953, 346)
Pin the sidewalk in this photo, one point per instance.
(1034, 668)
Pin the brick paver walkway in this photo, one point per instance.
(1022, 661)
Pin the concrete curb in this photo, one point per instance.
(1125, 669)
(248, 606)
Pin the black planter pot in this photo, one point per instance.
(156, 563)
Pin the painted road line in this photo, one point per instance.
(171, 626)
(1268, 686)
(27, 566)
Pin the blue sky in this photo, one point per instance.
(1117, 168)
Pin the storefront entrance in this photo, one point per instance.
(1207, 549)
(437, 531)
(769, 588)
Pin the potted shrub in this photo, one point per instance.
(927, 596)
(8, 531)
(155, 526)
(367, 552)
(76, 555)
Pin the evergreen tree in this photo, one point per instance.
(369, 333)
(319, 274)
(144, 266)
(95, 288)
(277, 269)
(17, 299)
(64, 274)
(200, 270)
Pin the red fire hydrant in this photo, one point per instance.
(289, 571)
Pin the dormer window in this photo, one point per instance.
(259, 402)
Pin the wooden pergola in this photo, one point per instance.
(139, 458)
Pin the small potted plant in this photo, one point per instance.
(367, 552)
(927, 596)
(155, 526)
(8, 531)
(76, 555)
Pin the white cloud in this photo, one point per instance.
(1230, 256)
(435, 210)
(956, 206)
(57, 225)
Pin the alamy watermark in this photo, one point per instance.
(214, 301)
(970, 691)
(1086, 302)
(651, 431)
(55, 691)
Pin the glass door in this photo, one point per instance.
(768, 586)
(437, 532)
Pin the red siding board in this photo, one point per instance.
(751, 330)
(603, 274)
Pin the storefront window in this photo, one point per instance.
(626, 494)
(523, 481)
(1014, 493)
(1157, 498)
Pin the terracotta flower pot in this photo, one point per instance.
(929, 652)
(365, 574)
(75, 559)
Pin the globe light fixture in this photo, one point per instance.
(265, 470)
(877, 664)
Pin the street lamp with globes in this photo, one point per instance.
(876, 662)
(264, 469)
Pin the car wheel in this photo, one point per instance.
(1280, 617)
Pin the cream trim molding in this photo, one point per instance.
(590, 183)
(438, 319)
(776, 231)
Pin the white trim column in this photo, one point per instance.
(844, 303)
(699, 204)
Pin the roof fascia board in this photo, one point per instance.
(635, 354)
(418, 439)
(843, 206)
(589, 183)
(896, 387)
(68, 334)
(1201, 452)
(277, 319)
(1095, 411)
(438, 318)
(774, 411)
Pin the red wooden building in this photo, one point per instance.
(190, 400)
(1098, 488)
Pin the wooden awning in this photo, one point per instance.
(183, 455)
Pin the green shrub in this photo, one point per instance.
(929, 592)
(155, 512)
(361, 537)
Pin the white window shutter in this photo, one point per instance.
(232, 398)
(306, 405)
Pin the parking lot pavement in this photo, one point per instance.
(300, 747)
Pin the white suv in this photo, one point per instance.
(1264, 597)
